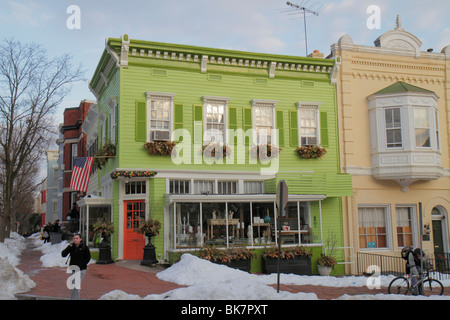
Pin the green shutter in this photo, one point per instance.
(232, 123)
(178, 117)
(232, 118)
(280, 127)
(141, 121)
(248, 124)
(294, 129)
(198, 119)
(324, 129)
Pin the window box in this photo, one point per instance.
(311, 152)
(296, 260)
(213, 150)
(265, 151)
(162, 148)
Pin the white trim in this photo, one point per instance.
(217, 100)
(308, 105)
(154, 95)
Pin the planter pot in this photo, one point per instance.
(324, 271)
(149, 258)
(299, 265)
(104, 253)
(243, 265)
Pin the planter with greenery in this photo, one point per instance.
(149, 228)
(235, 257)
(296, 260)
(265, 151)
(131, 174)
(107, 151)
(311, 152)
(325, 263)
(223, 150)
(105, 229)
(162, 148)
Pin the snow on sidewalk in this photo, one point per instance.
(12, 280)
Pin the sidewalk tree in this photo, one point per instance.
(32, 86)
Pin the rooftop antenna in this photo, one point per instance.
(302, 7)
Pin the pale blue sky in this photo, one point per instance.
(248, 25)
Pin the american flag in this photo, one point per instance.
(81, 173)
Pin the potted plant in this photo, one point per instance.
(105, 229)
(223, 150)
(149, 228)
(310, 152)
(108, 150)
(235, 257)
(325, 263)
(296, 260)
(265, 151)
(162, 148)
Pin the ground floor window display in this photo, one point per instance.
(229, 223)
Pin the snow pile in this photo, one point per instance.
(12, 280)
(12, 248)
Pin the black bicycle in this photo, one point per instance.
(426, 285)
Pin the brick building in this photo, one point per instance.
(73, 144)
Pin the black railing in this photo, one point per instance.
(437, 266)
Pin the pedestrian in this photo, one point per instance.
(80, 256)
(46, 234)
(415, 262)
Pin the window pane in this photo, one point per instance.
(422, 127)
(393, 128)
(372, 227)
(404, 226)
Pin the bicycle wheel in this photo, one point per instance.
(399, 285)
(432, 287)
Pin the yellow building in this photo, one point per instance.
(394, 125)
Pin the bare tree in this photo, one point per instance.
(32, 86)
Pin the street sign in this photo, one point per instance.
(282, 197)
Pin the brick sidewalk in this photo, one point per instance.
(132, 278)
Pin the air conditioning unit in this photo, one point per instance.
(309, 141)
(160, 135)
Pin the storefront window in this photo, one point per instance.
(188, 228)
(89, 218)
(226, 224)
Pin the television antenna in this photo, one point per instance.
(314, 10)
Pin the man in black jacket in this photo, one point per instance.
(80, 256)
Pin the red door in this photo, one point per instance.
(133, 240)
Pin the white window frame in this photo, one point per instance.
(307, 105)
(159, 96)
(219, 101)
(270, 104)
(396, 128)
(413, 222)
(388, 226)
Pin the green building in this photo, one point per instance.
(240, 122)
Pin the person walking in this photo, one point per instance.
(80, 256)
